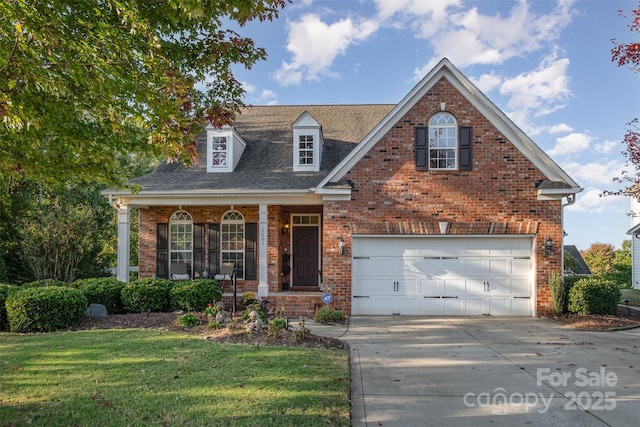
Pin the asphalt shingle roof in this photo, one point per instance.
(267, 161)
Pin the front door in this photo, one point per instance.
(305, 269)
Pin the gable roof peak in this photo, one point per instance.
(445, 69)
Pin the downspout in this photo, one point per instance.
(571, 199)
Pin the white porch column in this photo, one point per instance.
(263, 244)
(124, 230)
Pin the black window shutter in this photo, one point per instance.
(198, 250)
(214, 249)
(250, 251)
(422, 149)
(464, 149)
(162, 250)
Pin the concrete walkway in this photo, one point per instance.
(488, 371)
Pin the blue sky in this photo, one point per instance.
(545, 63)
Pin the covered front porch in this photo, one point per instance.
(276, 248)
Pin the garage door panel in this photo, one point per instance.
(520, 267)
(431, 305)
(520, 287)
(521, 306)
(498, 306)
(453, 287)
(432, 268)
(453, 306)
(452, 276)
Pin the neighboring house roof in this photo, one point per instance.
(267, 162)
(581, 266)
(635, 230)
(560, 184)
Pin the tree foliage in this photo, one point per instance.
(628, 55)
(84, 83)
(608, 263)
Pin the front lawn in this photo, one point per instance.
(150, 377)
(633, 295)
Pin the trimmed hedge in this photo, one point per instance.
(44, 282)
(4, 293)
(45, 309)
(194, 295)
(144, 295)
(598, 296)
(325, 314)
(103, 290)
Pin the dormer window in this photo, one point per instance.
(305, 149)
(219, 151)
(307, 144)
(224, 149)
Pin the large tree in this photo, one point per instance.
(628, 55)
(85, 82)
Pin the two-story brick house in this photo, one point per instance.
(437, 205)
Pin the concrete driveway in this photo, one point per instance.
(490, 371)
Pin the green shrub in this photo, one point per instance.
(188, 319)
(276, 325)
(325, 314)
(146, 294)
(597, 296)
(103, 290)
(44, 282)
(5, 289)
(558, 287)
(194, 295)
(45, 309)
(249, 298)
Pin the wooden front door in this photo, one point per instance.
(305, 256)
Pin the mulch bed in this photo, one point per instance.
(626, 318)
(169, 321)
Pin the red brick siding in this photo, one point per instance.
(151, 216)
(389, 197)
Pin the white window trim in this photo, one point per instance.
(306, 125)
(453, 126)
(183, 221)
(240, 272)
(235, 148)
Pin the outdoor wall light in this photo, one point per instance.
(548, 246)
(341, 246)
(285, 228)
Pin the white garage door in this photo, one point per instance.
(453, 276)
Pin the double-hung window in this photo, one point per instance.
(219, 151)
(305, 149)
(443, 142)
(232, 240)
(443, 145)
(180, 245)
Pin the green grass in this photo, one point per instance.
(633, 295)
(142, 377)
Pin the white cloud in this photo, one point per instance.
(426, 17)
(591, 201)
(607, 146)
(487, 82)
(571, 144)
(595, 174)
(469, 37)
(560, 128)
(543, 89)
(268, 97)
(316, 44)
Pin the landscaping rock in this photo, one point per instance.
(96, 310)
